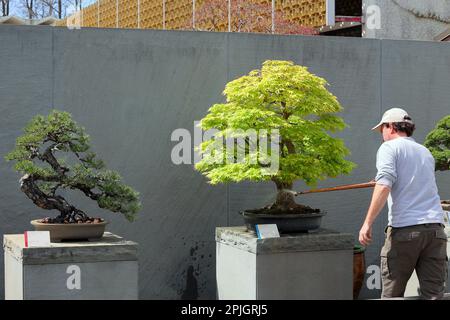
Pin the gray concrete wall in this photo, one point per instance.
(408, 19)
(131, 89)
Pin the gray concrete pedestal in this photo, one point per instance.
(103, 269)
(298, 266)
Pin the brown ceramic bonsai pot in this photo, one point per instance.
(359, 269)
(71, 231)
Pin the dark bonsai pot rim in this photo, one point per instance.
(248, 213)
(286, 223)
(358, 248)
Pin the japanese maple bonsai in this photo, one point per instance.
(438, 142)
(285, 98)
(38, 155)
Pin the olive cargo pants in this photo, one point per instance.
(420, 247)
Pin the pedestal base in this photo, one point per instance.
(295, 266)
(103, 269)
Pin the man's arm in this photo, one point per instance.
(379, 197)
(385, 178)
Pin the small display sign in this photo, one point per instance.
(265, 231)
(37, 239)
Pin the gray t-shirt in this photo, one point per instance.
(407, 168)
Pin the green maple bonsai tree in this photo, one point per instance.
(438, 142)
(38, 156)
(285, 97)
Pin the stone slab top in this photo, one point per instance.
(110, 247)
(320, 240)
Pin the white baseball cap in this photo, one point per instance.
(394, 115)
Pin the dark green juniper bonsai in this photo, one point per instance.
(35, 154)
(438, 142)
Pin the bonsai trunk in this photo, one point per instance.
(68, 213)
(285, 200)
(285, 197)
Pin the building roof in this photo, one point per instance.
(443, 36)
(11, 20)
(48, 21)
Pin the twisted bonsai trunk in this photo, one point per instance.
(67, 212)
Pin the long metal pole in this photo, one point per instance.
(369, 184)
(273, 16)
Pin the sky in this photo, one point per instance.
(17, 6)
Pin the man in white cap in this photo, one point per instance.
(415, 237)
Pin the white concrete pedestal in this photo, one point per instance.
(103, 269)
(297, 266)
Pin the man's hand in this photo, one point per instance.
(379, 197)
(365, 235)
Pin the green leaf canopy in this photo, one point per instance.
(280, 97)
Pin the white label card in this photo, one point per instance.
(265, 231)
(37, 239)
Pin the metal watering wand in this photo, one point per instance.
(369, 184)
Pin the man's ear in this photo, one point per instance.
(391, 128)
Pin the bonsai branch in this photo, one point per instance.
(48, 202)
(51, 160)
(289, 145)
(86, 190)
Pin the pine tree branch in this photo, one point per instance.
(51, 160)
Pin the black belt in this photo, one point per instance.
(419, 225)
